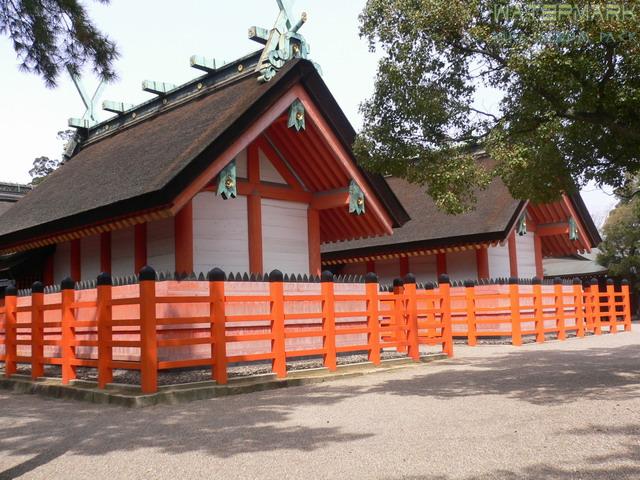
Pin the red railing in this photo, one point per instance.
(153, 325)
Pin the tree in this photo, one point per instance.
(567, 75)
(620, 249)
(49, 35)
(43, 166)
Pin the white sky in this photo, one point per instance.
(156, 39)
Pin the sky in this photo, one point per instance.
(156, 39)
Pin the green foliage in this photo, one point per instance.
(49, 35)
(43, 166)
(569, 87)
(620, 250)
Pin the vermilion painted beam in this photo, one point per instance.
(513, 255)
(545, 230)
(334, 199)
(537, 243)
(482, 262)
(105, 252)
(76, 260)
(441, 264)
(140, 246)
(313, 222)
(183, 236)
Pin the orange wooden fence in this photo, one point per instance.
(151, 326)
(155, 325)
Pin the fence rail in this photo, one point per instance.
(153, 325)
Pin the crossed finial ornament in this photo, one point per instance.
(282, 43)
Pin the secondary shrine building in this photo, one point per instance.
(224, 171)
(501, 238)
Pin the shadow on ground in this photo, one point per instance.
(46, 429)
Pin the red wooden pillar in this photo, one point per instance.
(329, 321)
(441, 264)
(624, 291)
(48, 270)
(183, 227)
(470, 300)
(10, 306)
(404, 266)
(148, 334)
(218, 327)
(445, 312)
(276, 290)
(372, 289)
(254, 211)
(537, 242)
(313, 223)
(67, 342)
(76, 260)
(37, 331)
(482, 262)
(513, 255)
(140, 249)
(105, 252)
(105, 331)
(412, 317)
(514, 299)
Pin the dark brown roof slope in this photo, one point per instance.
(148, 163)
(429, 227)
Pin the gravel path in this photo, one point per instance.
(559, 410)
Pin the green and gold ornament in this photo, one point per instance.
(296, 116)
(356, 199)
(227, 185)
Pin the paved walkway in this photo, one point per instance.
(561, 410)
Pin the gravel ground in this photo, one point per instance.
(558, 410)
(175, 377)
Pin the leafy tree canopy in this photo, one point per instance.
(43, 166)
(49, 35)
(567, 73)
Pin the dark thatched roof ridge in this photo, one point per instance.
(146, 165)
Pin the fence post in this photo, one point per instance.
(399, 317)
(611, 306)
(412, 316)
(470, 301)
(37, 331)
(579, 307)
(329, 320)
(148, 334)
(218, 325)
(596, 306)
(516, 323)
(624, 290)
(558, 290)
(538, 309)
(67, 340)
(105, 329)
(588, 306)
(445, 309)
(373, 317)
(11, 349)
(279, 364)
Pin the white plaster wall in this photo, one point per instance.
(462, 265)
(90, 257)
(425, 268)
(285, 242)
(62, 262)
(241, 164)
(268, 172)
(161, 245)
(499, 261)
(526, 255)
(123, 252)
(220, 233)
(388, 270)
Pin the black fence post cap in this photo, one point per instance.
(276, 276)
(577, 281)
(327, 277)
(444, 278)
(37, 287)
(469, 283)
(104, 279)
(513, 281)
(67, 283)
(397, 282)
(625, 281)
(409, 278)
(371, 277)
(593, 281)
(216, 275)
(536, 281)
(609, 281)
(557, 281)
(147, 274)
